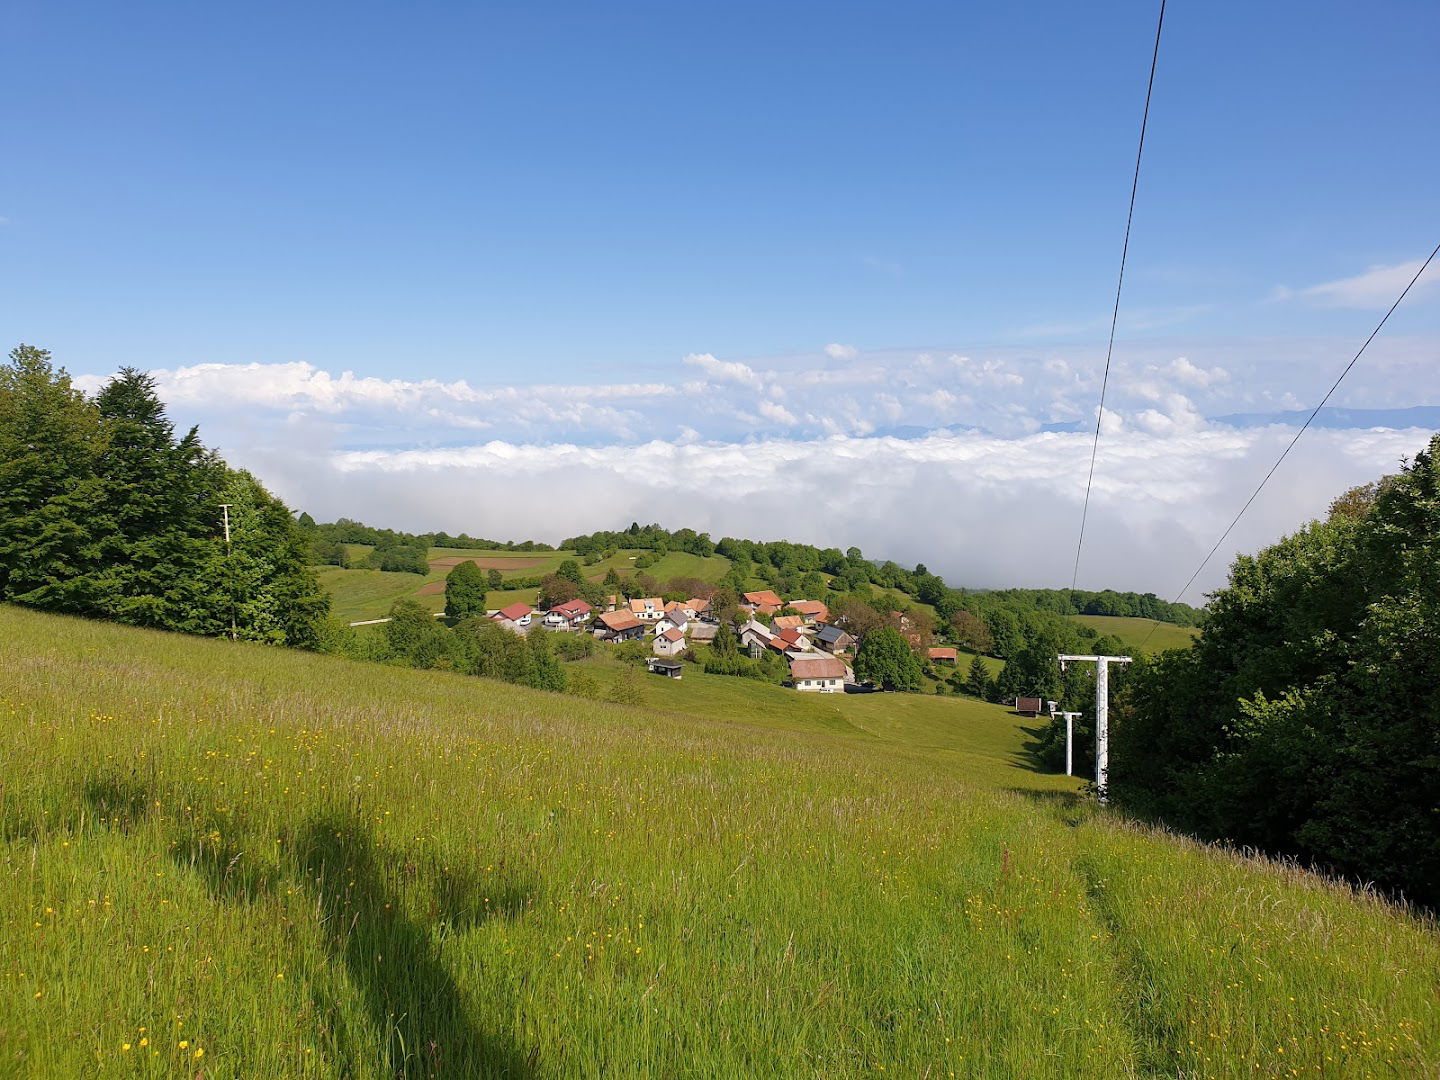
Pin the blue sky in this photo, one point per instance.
(576, 195)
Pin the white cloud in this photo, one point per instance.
(1005, 518)
(841, 352)
(773, 410)
(1376, 288)
(1184, 371)
(724, 370)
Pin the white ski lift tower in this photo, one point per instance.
(1102, 715)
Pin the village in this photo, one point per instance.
(819, 653)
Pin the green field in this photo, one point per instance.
(233, 861)
(358, 595)
(1157, 636)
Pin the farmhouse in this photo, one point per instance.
(813, 611)
(940, 656)
(669, 642)
(571, 615)
(789, 622)
(833, 640)
(676, 618)
(671, 669)
(519, 614)
(619, 626)
(792, 641)
(703, 633)
(820, 674)
(648, 609)
(764, 602)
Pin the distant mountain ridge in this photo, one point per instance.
(1417, 416)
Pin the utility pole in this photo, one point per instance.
(1069, 741)
(1102, 715)
(225, 508)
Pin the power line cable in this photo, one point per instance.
(1286, 452)
(1119, 285)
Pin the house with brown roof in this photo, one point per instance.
(792, 640)
(941, 655)
(619, 626)
(789, 622)
(765, 602)
(669, 642)
(648, 609)
(818, 674)
(812, 610)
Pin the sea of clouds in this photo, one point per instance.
(972, 461)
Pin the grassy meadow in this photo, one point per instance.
(1157, 637)
(234, 861)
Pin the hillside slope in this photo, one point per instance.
(235, 861)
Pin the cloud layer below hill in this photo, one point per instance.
(973, 463)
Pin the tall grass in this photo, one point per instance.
(232, 861)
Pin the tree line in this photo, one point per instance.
(1306, 719)
(105, 512)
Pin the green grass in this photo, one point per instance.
(1157, 636)
(309, 867)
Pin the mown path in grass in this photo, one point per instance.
(234, 861)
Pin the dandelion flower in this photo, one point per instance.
(184, 1044)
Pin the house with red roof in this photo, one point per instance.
(941, 655)
(765, 602)
(517, 613)
(571, 615)
(812, 610)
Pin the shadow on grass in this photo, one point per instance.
(416, 1009)
(412, 999)
(1031, 754)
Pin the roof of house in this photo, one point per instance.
(697, 605)
(764, 596)
(820, 667)
(673, 634)
(572, 607)
(790, 636)
(813, 608)
(940, 654)
(657, 664)
(648, 603)
(789, 622)
(515, 612)
(620, 620)
(703, 632)
(831, 634)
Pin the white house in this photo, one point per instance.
(648, 609)
(821, 674)
(669, 642)
(571, 615)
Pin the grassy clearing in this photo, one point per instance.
(233, 861)
(1132, 632)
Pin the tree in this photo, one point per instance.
(885, 659)
(1034, 671)
(971, 632)
(978, 683)
(555, 589)
(569, 570)
(464, 591)
(414, 636)
(48, 492)
(725, 643)
(494, 580)
(546, 670)
(1305, 719)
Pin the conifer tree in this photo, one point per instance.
(47, 487)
